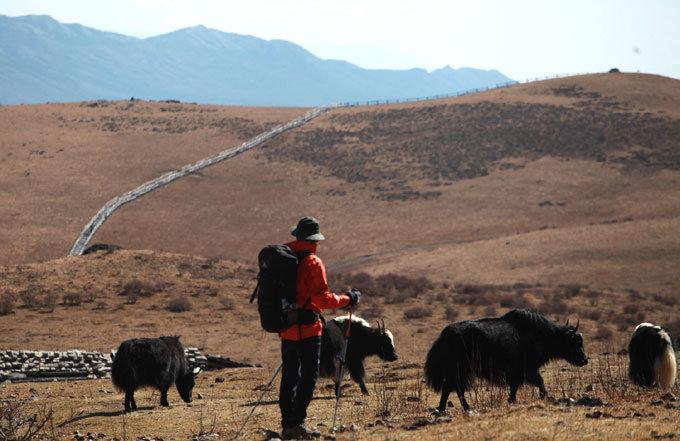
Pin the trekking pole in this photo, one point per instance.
(266, 388)
(342, 369)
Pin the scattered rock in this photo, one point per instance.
(589, 401)
(598, 414)
(565, 401)
(219, 380)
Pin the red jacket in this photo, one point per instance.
(312, 284)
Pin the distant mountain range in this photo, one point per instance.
(42, 60)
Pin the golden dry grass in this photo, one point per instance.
(581, 236)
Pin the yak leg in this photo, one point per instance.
(514, 385)
(463, 401)
(164, 397)
(130, 404)
(358, 373)
(537, 380)
(446, 390)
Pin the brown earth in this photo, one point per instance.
(549, 163)
(95, 308)
(561, 196)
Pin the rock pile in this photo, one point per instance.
(40, 365)
(18, 366)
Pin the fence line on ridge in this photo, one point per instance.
(107, 210)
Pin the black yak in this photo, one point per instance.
(505, 350)
(156, 362)
(652, 357)
(363, 341)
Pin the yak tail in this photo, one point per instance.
(122, 373)
(665, 368)
(436, 364)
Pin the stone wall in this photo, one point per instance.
(17, 366)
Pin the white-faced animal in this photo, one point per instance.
(364, 341)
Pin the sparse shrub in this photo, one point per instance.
(362, 281)
(592, 314)
(137, 288)
(665, 300)
(624, 322)
(603, 333)
(396, 297)
(441, 297)
(6, 304)
(391, 282)
(73, 298)
(674, 329)
(100, 306)
(372, 310)
(553, 307)
(592, 294)
(630, 309)
(417, 312)
(227, 303)
(516, 301)
(179, 303)
(20, 423)
(451, 314)
(490, 311)
(50, 301)
(468, 294)
(470, 289)
(30, 298)
(571, 290)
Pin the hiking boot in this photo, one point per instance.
(300, 432)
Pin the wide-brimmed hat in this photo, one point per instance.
(307, 229)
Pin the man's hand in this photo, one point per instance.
(354, 296)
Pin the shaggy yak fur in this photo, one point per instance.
(155, 362)
(363, 341)
(652, 357)
(507, 350)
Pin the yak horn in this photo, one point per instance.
(578, 322)
(383, 324)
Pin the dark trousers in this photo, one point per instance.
(298, 377)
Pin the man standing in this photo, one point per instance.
(301, 343)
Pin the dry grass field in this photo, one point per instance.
(561, 196)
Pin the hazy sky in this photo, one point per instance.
(522, 38)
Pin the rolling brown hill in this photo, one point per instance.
(561, 196)
(571, 180)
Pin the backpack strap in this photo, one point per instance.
(252, 297)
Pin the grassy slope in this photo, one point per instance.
(489, 240)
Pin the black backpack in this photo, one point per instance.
(275, 290)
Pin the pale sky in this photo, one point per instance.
(524, 39)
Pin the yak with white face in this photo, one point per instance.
(364, 341)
